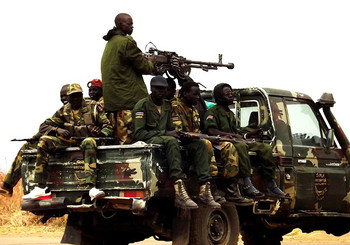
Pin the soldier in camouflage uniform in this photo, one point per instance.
(73, 119)
(220, 120)
(152, 123)
(186, 118)
(122, 66)
(14, 174)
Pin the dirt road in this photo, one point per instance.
(49, 237)
(56, 241)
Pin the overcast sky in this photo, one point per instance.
(297, 45)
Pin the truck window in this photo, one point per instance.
(249, 114)
(304, 124)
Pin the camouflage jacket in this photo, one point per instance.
(122, 66)
(80, 124)
(220, 118)
(147, 122)
(185, 118)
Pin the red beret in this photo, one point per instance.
(95, 83)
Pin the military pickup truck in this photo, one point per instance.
(311, 153)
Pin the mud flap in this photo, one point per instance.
(181, 227)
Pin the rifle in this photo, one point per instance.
(218, 138)
(72, 138)
(179, 67)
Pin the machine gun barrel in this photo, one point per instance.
(171, 63)
(207, 65)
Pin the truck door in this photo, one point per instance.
(319, 175)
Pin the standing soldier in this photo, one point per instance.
(122, 66)
(220, 120)
(14, 174)
(73, 119)
(152, 123)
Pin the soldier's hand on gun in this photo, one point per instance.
(183, 136)
(177, 134)
(175, 63)
(95, 131)
(215, 140)
(151, 58)
(63, 132)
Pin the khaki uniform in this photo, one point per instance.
(218, 117)
(79, 124)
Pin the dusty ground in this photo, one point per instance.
(47, 235)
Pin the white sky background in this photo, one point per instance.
(300, 45)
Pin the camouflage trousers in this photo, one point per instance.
(264, 160)
(121, 122)
(228, 158)
(213, 168)
(14, 174)
(50, 144)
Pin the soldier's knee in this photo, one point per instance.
(171, 141)
(44, 142)
(88, 143)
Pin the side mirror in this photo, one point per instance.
(330, 138)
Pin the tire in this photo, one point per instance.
(214, 226)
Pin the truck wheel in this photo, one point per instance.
(214, 226)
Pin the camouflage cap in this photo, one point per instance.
(74, 88)
(159, 81)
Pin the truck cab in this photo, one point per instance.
(312, 164)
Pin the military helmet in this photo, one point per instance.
(74, 88)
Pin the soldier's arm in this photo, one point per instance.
(212, 127)
(139, 119)
(52, 124)
(103, 123)
(176, 122)
(135, 56)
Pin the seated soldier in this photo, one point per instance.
(95, 90)
(74, 119)
(14, 174)
(188, 120)
(152, 123)
(220, 120)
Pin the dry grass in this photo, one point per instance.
(14, 220)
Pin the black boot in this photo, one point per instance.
(233, 194)
(215, 192)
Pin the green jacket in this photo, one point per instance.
(122, 66)
(147, 122)
(80, 124)
(218, 117)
